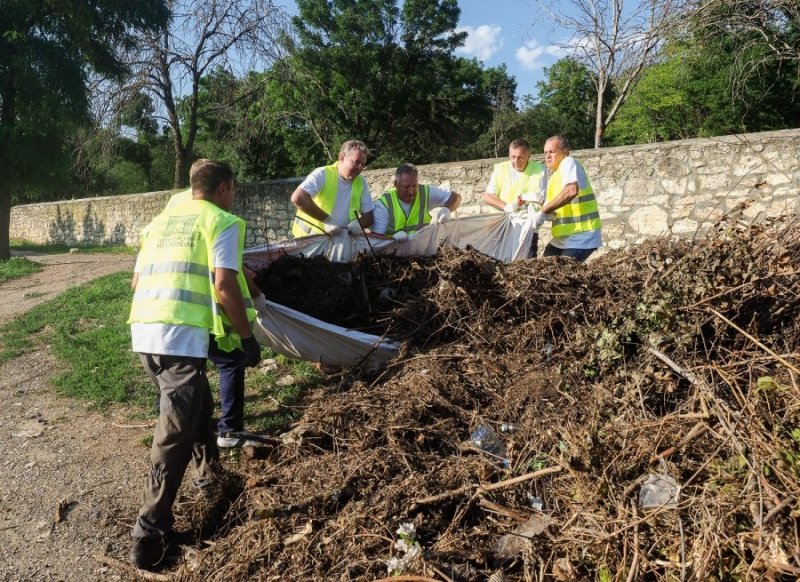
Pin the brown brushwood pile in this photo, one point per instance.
(674, 359)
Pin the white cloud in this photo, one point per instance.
(530, 54)
(482, 41)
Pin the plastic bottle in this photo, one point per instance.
(485, 439)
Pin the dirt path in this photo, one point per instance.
(70, 478)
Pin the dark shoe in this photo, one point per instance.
(148, 552)
(234, 440)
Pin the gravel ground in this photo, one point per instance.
(71, 478)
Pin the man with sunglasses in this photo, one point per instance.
(331, 197)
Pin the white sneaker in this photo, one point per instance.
(234, 440)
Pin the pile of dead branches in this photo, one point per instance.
(672, 364)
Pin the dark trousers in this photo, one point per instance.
(231, 387)
(184, 435)
(534, 250)
(579, 255)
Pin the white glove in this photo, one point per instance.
(260, 303)
(355, 227)
(441, 214)
(331, 229)
(400, 236)
(537, 219)
(511, 207)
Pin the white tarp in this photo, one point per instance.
(297, 335)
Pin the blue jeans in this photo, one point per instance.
(231, 387)
(579, 255)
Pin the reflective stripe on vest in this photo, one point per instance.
(418, 215)
(305, 225)
(530, 180)
(580, 215)
(176, 276)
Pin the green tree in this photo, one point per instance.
(367, 69)
(616, 43)
(697, 91)
(235, 125)
(202, 36)
(564, 104)
(46, 51)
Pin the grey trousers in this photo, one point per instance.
(184, 434)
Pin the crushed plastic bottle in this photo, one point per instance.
(536, 502)
(659, 492)
(485, 439)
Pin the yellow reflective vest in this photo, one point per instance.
(581, 214)
(176, 271)
(418, 215)
(529, 181)
(305, 225)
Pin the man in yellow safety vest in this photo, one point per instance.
(517, 183)
(409, 206)
(331, 197)
(571, 205)
(188, 285)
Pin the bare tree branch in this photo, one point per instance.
(615, 42)
(235, 35)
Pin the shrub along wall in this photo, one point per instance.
(678, 188)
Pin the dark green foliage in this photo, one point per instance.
(369, 70)
(566, 105)
(46, 51)
(697, 91)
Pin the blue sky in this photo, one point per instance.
(516, 33)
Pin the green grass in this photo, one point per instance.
(16, 267)
(49, 249)
(87, 331)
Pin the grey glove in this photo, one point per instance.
(331, 229)
(510, 207)
(355, 228)
(400, 236)
(252, 351)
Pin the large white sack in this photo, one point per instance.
(298, 335)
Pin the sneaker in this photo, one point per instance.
(328, 369)
(148, 552)
(235, 440)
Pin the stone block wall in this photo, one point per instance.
(644, 191)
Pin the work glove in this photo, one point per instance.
(537, 219)
(441, 214)
(252, 351)
(400, 236)
(511, 207)
(331, 229)
(260, 303)
(355, 227)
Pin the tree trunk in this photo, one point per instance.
(598, 122)
(5, 225)
(181, 178)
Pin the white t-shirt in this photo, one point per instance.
(186, 340)
(340, 215)
(571, 171)
(436, 198)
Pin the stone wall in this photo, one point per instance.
(644, 191)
